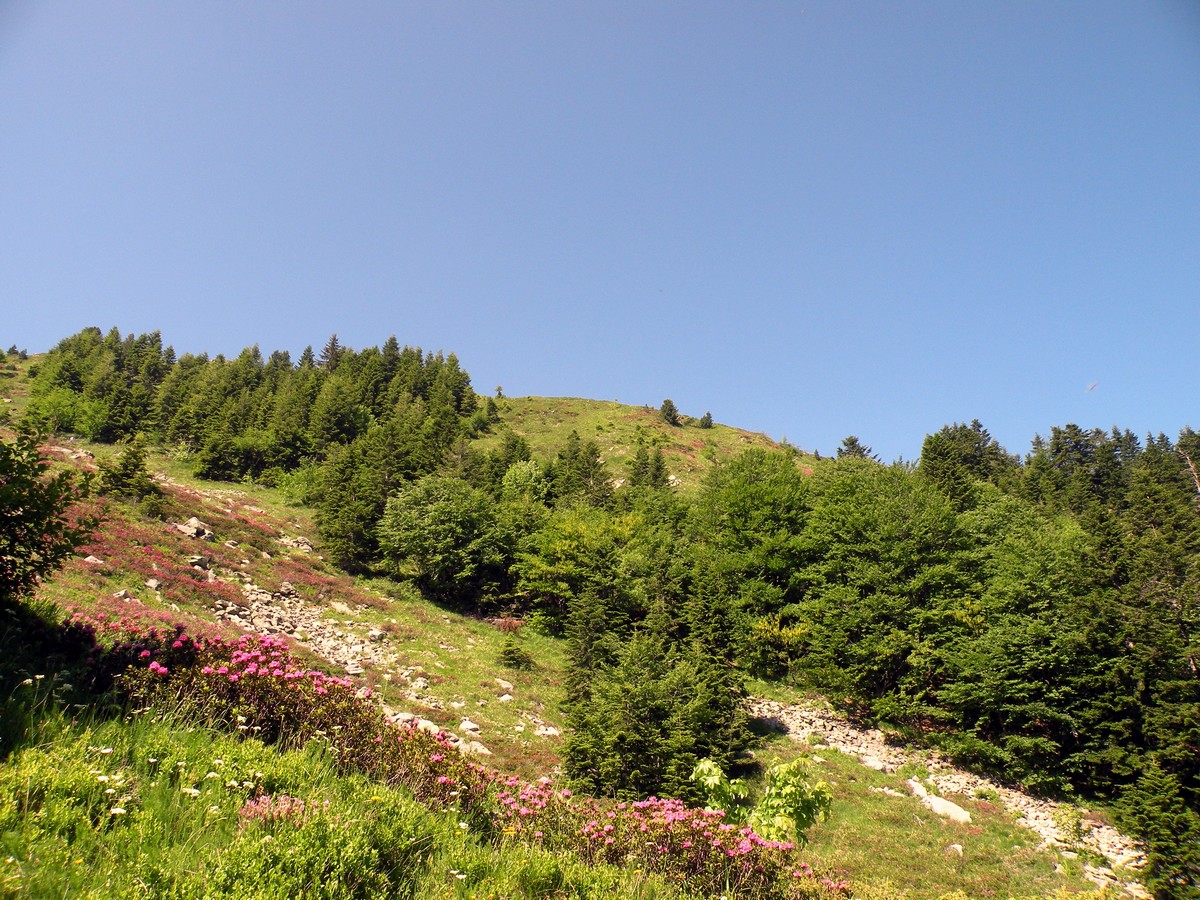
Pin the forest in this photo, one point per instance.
(1036, 616)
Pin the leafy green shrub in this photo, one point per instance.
(786, 809)
(514, 655)
(127, 476)
(36, 534)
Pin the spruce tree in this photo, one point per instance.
(668, 413)
(332, 353)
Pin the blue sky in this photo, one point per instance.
(811, 218)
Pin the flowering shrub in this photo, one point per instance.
(692, 847)
(254, 685)
(272, 808)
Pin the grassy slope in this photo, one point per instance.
(871, 838)
(688, 449)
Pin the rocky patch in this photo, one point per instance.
(871, 748)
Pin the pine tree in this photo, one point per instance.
(1154, 811)
(127, 476)
(332, 354)
(668, 413)
(852, 448)
(706, 420)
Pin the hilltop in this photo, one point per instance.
(689, 449)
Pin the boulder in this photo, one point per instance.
(194, 528)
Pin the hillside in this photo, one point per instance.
(689, 450)
(228, 560)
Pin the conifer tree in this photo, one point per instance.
(668, 413)
(331, 354)
(853, 448)
(127, 476)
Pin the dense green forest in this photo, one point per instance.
(1036, 617)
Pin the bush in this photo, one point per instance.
(514, 655)
(36, 533)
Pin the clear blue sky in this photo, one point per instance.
(811, 218)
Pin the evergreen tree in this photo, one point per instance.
(347, 509)
(331, 354)
(127, 476)
(648, 469)
(668, 413)
(852, 448)
(1154, 811)
(36, 534)
(579, 473)
(706, 420)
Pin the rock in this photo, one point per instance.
(194, 528)
(199, 561)
(948, 810)
(505, 686)
(1132, 859)
(296, 543)
(354, 669)
(468, 725)
(93, 560)
(939, 805)
(505, 698)
(1099, 875)
(547, 731)
(153, 583)
(873, 762)
(457, 704)
(474, 748)
(231, 544)
(375, 635)
(339, 607)
(123, 595)
(955, 848)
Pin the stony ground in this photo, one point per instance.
(802, 722)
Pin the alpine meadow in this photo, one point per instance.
(340, 626)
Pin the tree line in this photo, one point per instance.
(1037, 617)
